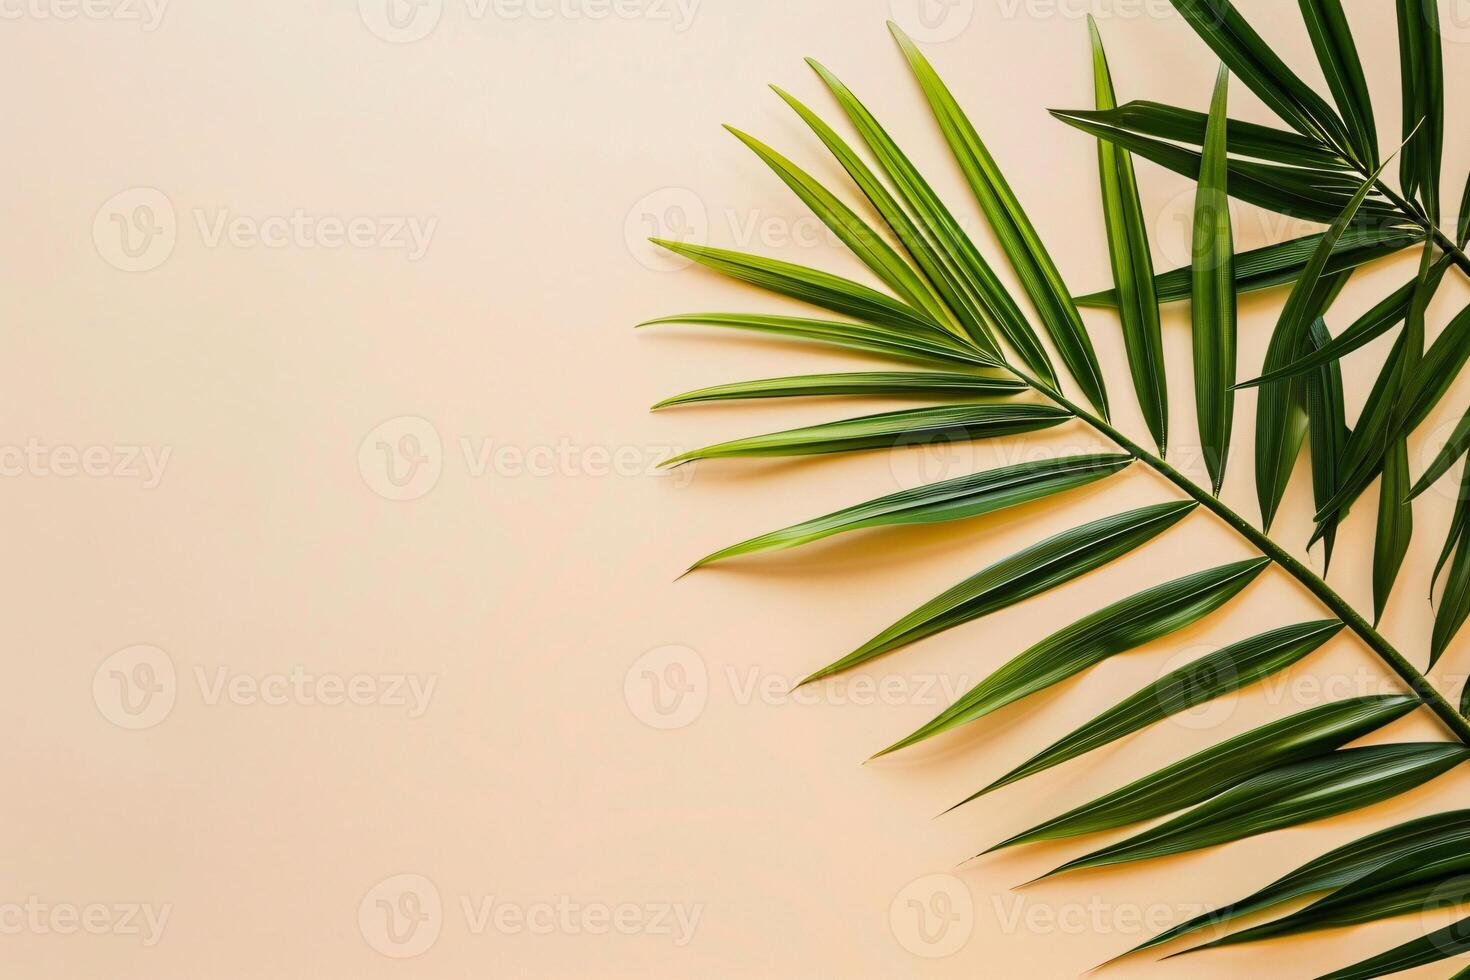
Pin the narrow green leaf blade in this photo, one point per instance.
(918, 425)
(853, 336)
(1395, 525)
(1139, 619)
(1251, 59)
(1204, 774)
(810, 286)
(1029, 572)
(1452, 940)
(1133, 268)
(951, 500)
(1327, 431)
(1338, 55)
(1454, 604)
(1213, 306)
(1019, 240)
(924, 383)
(1457, 445)
(1314, 789)
(1275, 265)
(1228, 669)
(1422, 79)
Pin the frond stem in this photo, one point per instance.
(1314, 583)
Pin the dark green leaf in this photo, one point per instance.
(1227, 669)
(925, 383)
(1251, 59)
(1395, 525)
(1019, 240)
(951, 500)
(1133, 267)
(1213, 305)
(1440, 944)
(1327, 430)
(1456, 446)
(911, 426)
(1315, 789)
(1029, 572)
(1304, 735)
(1139, 619)
(1280, 422)
(977, 278)
(1422, 80)
(809, 285)
(1454, 605)
(855, 336)
(1338, 55)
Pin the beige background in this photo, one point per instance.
(268, 364)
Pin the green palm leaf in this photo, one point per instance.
(951, 500)
(1022, 245)
(1227, 669)
(1327, 430)
(1213, 306)
(1395, 525)
(1422, 73)
(1452, 940)
(925, 383)
(1315, 789)
(1275, 265)
(1356, 861)
(1057, 559)
(1338, 56)
(1304, 735)
(1454, 605)
(1133, 267)
(854, 336)
(1121, 626)
(1456, 446)
(911, 426)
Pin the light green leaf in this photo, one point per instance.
(910, 426)
(1019, 240)
(1213, 305)
(951, 500)
(1354, 861)
(1441, 944)
(1031, 571)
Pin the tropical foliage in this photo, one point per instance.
(959, 338)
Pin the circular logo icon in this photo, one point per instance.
(932, 21)
(667, 687)
(402, 458)
(676, 214)
(136, 687)
(933, 916)
(401, 21)
(135, 230)
(1179, 692)
(401, 916)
